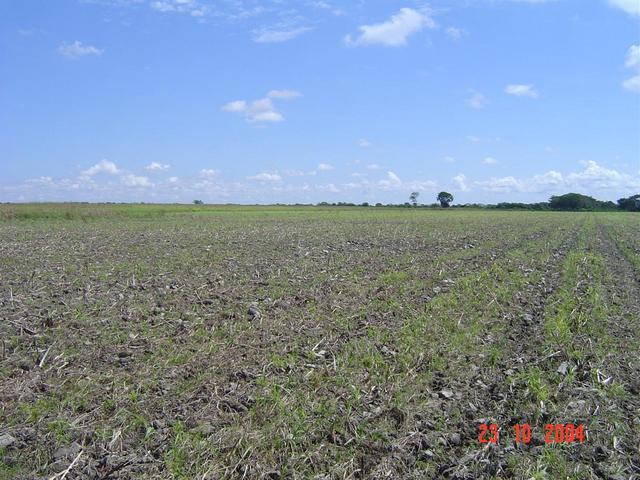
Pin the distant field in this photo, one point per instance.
(168, 341)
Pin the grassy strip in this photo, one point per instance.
(571, 382)
(361, 398)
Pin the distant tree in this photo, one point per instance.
(445, 199)
(198, 202)
(378, 204)
(364, 204)
(631, 204)
(577, 201)
(414, 198)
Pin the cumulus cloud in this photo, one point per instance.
(632, 84)
(78, 49)
(633, 57)
(374, 166)
(324, 167)
(268, 35)
(131, 180)
(103, 166)
(489, 161)
(157, 167)
(364, 143)
(460, 182)
(520, 90)
(448, 159)
(262, 110)
(477, 100)
(594, 177)
(208, 172)
(633, 61)
(266, 177)
(390, 182)
(393, 32)
(632, 7)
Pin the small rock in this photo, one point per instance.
(67, 452)
(426, 455)
(437, 289)
(446, 394)
(253, 312)
(6, 440)
(455, 439)
(562, 369)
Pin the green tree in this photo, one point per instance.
(445, 199)
(414, 198)
(631, 204)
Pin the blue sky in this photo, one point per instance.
(303, 101)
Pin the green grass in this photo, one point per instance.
(367, 316)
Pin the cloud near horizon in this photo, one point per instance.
(105, 181)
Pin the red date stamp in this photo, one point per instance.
(554, 433)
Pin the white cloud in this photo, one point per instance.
(593, 178)
(633, 61)
(477, 101)
(191, 7)
(325, 167)
(131, 180)
(460, 181)
(520, 90)
(103, 166)
(364, 143)
(489, 161)
(504, 184)
(40, 181)
(78, 49)
(208, 172)
(173, 179)
(474, 139)
(277, 36)
(327, 6)
(454, 33)
(393, 177)
(633, 57)
(374, 166)
(157, 167)
(395, 31)
(238, 106)
(284, 94)
(632, 7)
(632, 84)
(262, 110)
(392, 180)
(266, 177)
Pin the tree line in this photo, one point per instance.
(566, 202)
